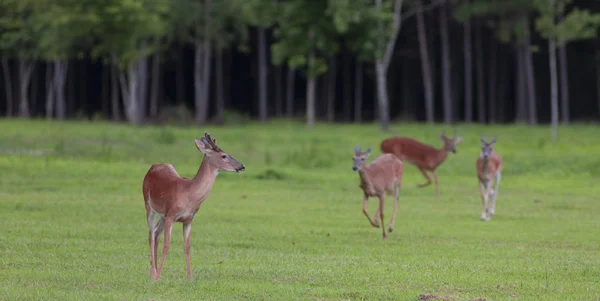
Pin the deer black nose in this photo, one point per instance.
(354, 168)
(241, 168)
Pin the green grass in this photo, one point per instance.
(290, 227)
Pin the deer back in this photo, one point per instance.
(413, 151)
(384, 171)
(161, 184)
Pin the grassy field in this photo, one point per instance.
(291, 227)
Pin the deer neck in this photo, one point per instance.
(365, 179)
(486, 164)
(441, 156)
(204, 180)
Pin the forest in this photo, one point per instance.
(216, 61)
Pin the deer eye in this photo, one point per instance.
(224, 156)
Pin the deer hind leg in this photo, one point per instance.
(187, 229)
(484, 199)
(160, 227)
(494, 193)
(167, 244)
(424, 172)
(366, 212)
(151, 219)
(393, 220)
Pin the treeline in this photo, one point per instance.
(481, 61)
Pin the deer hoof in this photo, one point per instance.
(390, 229)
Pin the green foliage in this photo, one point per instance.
(296, 19)
(577, 24)
(18, 29)
(75, 229)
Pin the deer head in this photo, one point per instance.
(450, 143)
(360, 158)
(487, 147)
(216, 156)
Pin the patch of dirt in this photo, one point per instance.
(478, 299)
(435, 297)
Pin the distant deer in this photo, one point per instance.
(425, 157)
(177, 199)
(489, 166)
(384, 174)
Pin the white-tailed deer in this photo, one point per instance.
(384, 174)
(425, 157)
(489, 167)
(177, 199)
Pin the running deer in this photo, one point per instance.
(384, 174)
(489, 166)
(177, 199)
(425, 157)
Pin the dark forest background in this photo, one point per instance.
(218, 61)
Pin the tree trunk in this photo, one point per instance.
(34, 92)
(446, 64)
(310, 84)
(407, 98)
(8, 87)
(564, 84)
(358, 91)
(142, 83)
(25, 69)
(219, 86)
(200, 102)
(59, 81)
(114, 93)
(331, 83)
(156, 83)
(278, 90)
(531, 98)
(425, 64)
(290, 91)
(82, 88)
(553, 87)
(130, 90)
(468, 62)
(180, 74)
(521, 91)
(262, 75)
(492, 92)
(598, 72)
(503, 80)
(480, 75)
(104, 92)
(50, 91)
(347, 84)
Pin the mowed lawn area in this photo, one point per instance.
(291, 227)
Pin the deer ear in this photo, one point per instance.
(368, 151)
(357, 150)
(457, 140)
(493, 140)
(203, 145)
(483, 140)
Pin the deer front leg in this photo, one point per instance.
(167, 244)
(435, 181)
(160, 227)
(381, 215)
(494, 193)
(484, 198)
(151, 219)
(366, 212)
(424, 172)
(393, 220)
(187, 229)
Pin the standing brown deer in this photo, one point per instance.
(425, 157)
(177, 199)
(384, 174)
(489, 166)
